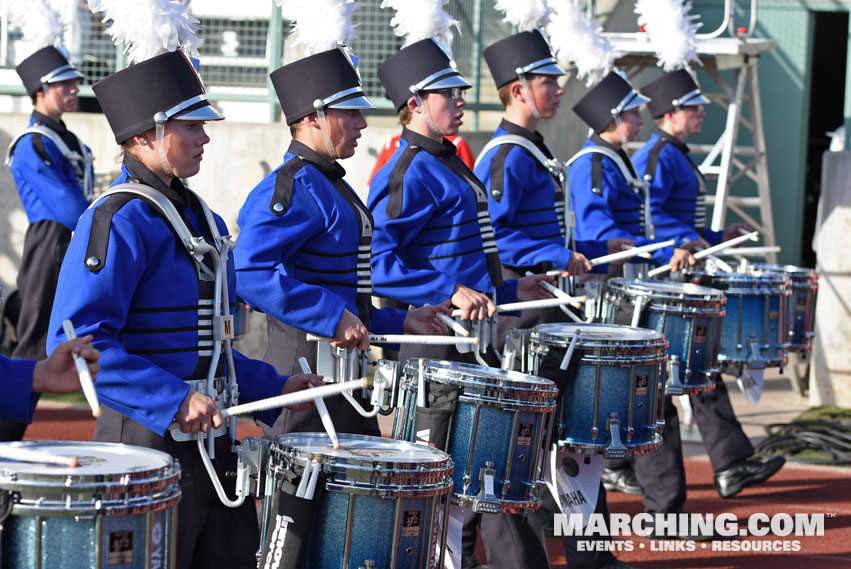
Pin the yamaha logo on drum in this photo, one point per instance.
(120, 548)
(411, 523)
(700, 333)
(524, 434)
(641, 384)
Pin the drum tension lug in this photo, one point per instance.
(674, 386)
(614, 449)
(486, 502)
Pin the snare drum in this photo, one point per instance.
(610, 401)
(383, 500)
(688, 315)
(755, 332)
(497, 435)
(117, 508)
(801, 311)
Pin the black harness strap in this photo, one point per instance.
(597, 173)
(99, 234)
(396, 186)
(38, 146)
(653, 160)
(498, 171)
(284, 185)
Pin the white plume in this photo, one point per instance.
(525, 14)
(149, 27)
(578, 40)
(670, 30)
(40, 24)
(321, 25)
(417, 20)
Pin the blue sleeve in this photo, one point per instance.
(98, 304)
(258, 380)
(713, 237)
(391, 276)
(508, 293)
(265, 244)
(664, 180)
(387, 321)
(18, 401)
(592, 249)
(47, 191)
(515, 245)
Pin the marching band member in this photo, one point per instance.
(304, 246)
(433, 236)
(56, 374)
(677, 190)
(53, 172)
(148, 274)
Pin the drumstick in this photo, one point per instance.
(453, 325)
(533, 304)
(629, 253)
(323, 410)
(427, 340)
(565, 362)
(753, 235)
(554, 290)
(302, 484)
(314, 476)
(295, 398)
(19, 454)
(83, 371)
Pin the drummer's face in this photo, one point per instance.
(184, 146)
(546, 93)
(344, 126)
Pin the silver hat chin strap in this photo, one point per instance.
(323, 127)
(160, 119)
(525, 84)
(427, 113)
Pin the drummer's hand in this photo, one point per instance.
(299, 382)
(681, 259)
(529, 289)
(618, 245)
(578, 265)
(473, 305)
(694, 246)
(424, 320)
(735, 230)
(350, 333)
(58, 373)
(197, 413)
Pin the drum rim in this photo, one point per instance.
(781, 280)
(538, 335)
(790, 270)
(705, 293)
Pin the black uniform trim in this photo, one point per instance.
(450, 226)
(396, 185)
(597, 173)
(498, 171)
(99, 234)
(653, 159)
(38, 146)
(284, 184)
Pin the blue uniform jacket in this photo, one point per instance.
(46, 181)
(301, 266)
(18, 401)
(525, 220)
(612, 210)
(427, 234)
(674, 189)
(144, 312)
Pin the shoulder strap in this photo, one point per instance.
(396, 185)
(653, 160)
(85, 160)
(196, 247)
(284, 185)
(553, 166)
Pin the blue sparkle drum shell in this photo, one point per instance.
(503, 418)
(610, 399)
(801, 311)
(374, 488)
(116, 510)
(688, 315)
(755, 331)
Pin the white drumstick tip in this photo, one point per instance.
(323, 410)
(314, 476)
(86, 381)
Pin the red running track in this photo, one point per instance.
(795, 489)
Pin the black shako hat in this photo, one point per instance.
(153, 91)
(328, 79)
(607, 100)
(45, 66)
(526, 53)
(426, 65)
(673, 91)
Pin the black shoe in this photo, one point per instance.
(621, 480)
(752, 470)
(470, 562)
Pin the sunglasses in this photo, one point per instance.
(451, 92)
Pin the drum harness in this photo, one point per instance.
(224, 391)
(82, 164)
